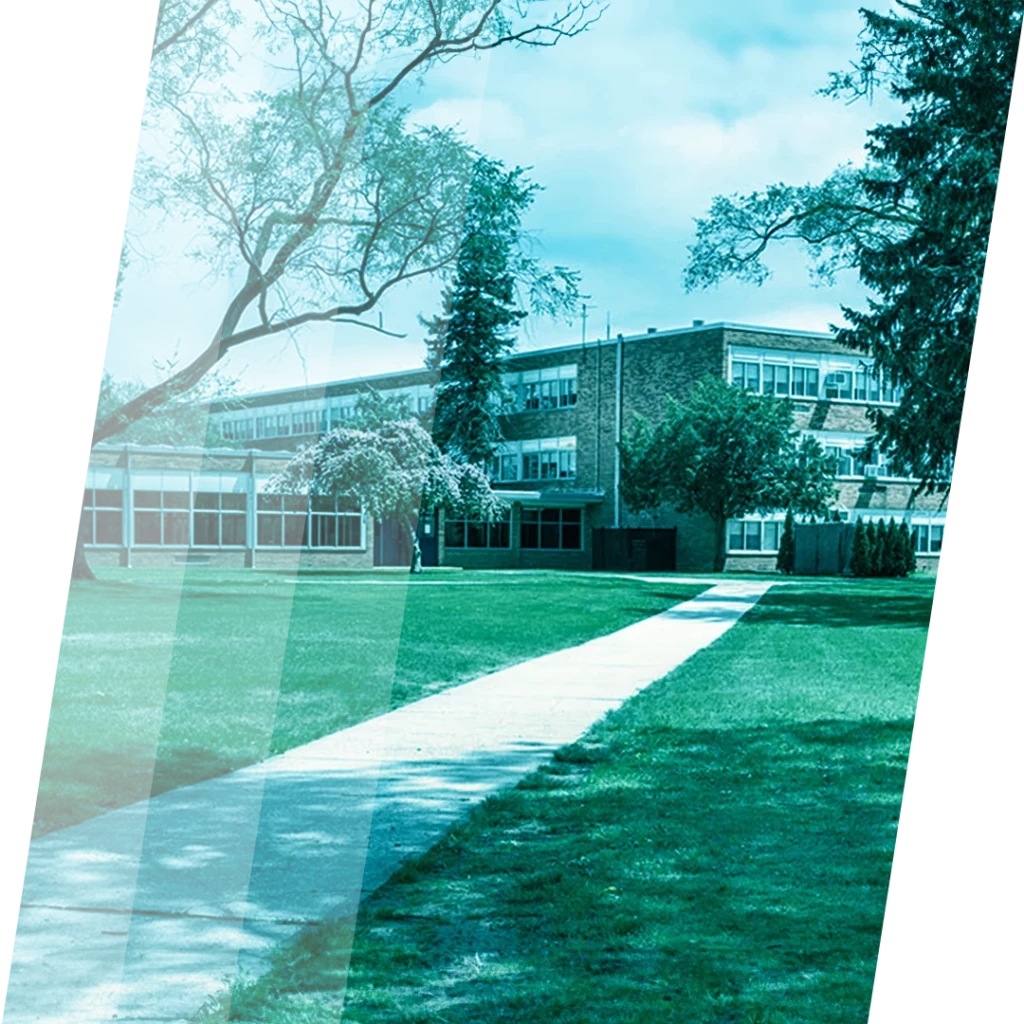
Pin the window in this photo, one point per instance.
(304, 422)
(180, 519)
(237, 430)
(161, 517)
(102, 516)
(552, 528)
(465, 533)
(936, 538)
(753, 535)
(567, 392)
(746, 375)
(531, 466)
(549, 394)
(805, 382)
(549, 465)
(531, 397)
(775, 380)
(293, 521)
(504, 467)
(218, 520)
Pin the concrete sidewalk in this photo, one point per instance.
(143, 913)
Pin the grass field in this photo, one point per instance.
(715, 852)
(169, 677)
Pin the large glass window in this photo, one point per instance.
(218, 520)
(552, 528)
(468, 533)
(567, 392)
(212, 519)
(294, 521)
(102, 519)
(161, 517)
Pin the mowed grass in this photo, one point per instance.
(717, 851)
(168, 677)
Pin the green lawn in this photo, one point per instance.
(717, 851)
(168, 677)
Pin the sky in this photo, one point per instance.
(631, 128)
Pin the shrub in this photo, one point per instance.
(787, 546)
(860, 561)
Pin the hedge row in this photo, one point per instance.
(883, 549)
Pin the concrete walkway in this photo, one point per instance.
(143, 913)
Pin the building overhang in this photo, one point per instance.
(548, 499)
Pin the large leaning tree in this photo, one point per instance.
(394, 470)
(466, 346)
(315, 195)
(913, 219)
(727, 453)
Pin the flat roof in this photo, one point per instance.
(720, 325)
(170, 449)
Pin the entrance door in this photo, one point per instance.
(391, 548)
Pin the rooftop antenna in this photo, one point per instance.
(583, 309)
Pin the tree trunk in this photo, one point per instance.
(80, 567)
(719, 544)
(417, 554)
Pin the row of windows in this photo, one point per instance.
(522, 396)
(548, 465)
(791, 381)
(749, 535)
(542, 396)
(556, 529)
(208, 519)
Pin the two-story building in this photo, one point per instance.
(558, 468)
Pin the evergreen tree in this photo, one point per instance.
(465, 349)
(891, 560)
(873, 549)
(913, 220)
(787, 546)
(860, 562)
(907, 550)
(878, 553)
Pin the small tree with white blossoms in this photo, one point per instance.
(395, 471)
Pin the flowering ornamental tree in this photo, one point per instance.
(396, 471)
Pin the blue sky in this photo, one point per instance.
(631, 128)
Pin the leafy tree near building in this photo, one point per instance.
(396, 471)
(726, 453)
(465, 348)
(787, 546)
(913, 220)
(316, 196)
(860, 559)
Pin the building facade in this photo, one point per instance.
(567, 408)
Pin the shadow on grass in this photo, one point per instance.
(863, 606)
(67, 790)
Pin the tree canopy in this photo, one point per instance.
(314, 195)
(396, 471)
(913, 220)
(727, 453)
